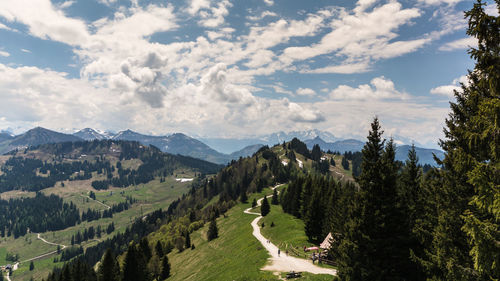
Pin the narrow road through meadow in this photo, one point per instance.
(282, 263)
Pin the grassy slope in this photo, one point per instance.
(150, 196)
(236, 254)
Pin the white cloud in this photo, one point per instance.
(25, 51)
(269, 2)
(463, 43)
(262, 15)
(448, 90)
(45, 21)
(66, 4)
(305, 92)
(341, 69)
(211, 13)
(4, 54)
(379, 88)
(361, 36)
(440, 2)
(3, 26)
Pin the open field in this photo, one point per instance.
(150, 197)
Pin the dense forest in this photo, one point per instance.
(38, 214)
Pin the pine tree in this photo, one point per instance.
(108, 269)
(481, 142)
(274, 199)
(32, 266)
(187, 241)
(165, 268)
(316, 153)
(159, 249)
(345, 163)
(212, 232)
(254, 203)
(134, 268)
(372, 247)
(265, 208)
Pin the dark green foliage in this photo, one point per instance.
(187, 241)
(71, 252)
(41, 213)
(265, 208)
(316, 153)
(134, 265)
(165, 268)
(159, 249)
(32, 266)
(243, 196)
(345, 163)
(212, 232)
(254, 203)
(300, 147)
(109, 269)
(274, 199)
(373, 245)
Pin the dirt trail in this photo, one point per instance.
(107, 206)
(283, 263)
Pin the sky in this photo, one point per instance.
(226, 68)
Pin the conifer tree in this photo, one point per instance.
(108, 269)
(372, 247)
(187, 243)
(466, 234)
(159, 249)
(134, 268)
(274, 199)
(265, 208)
(254, 203)
(316, 153)
(212, 232)
(243, 196)
(32, 266)
(165, 268)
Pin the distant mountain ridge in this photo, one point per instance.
(425, 155)
(215, 150)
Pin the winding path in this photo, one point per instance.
(16, 265)
(107, 206)
(283, 263)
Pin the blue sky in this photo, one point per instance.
(225, 68)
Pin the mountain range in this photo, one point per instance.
(425, 155)
(215, 150)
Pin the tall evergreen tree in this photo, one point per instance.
(274, 199)
(212, 232)
(159, 249)
(134, 268)
(165, 268)
(108, 269)
(373, 247)
(265, 208)
(466, 234)
(316, 153)
(187, 241)
(481, 142)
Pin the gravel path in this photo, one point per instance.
(107, 206)
(283, 263)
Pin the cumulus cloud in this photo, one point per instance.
(305, 92)
(45, 21)
(4, 54)
(211, 13)
(379, 88)
(449, 90)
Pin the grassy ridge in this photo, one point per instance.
(237, 254)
